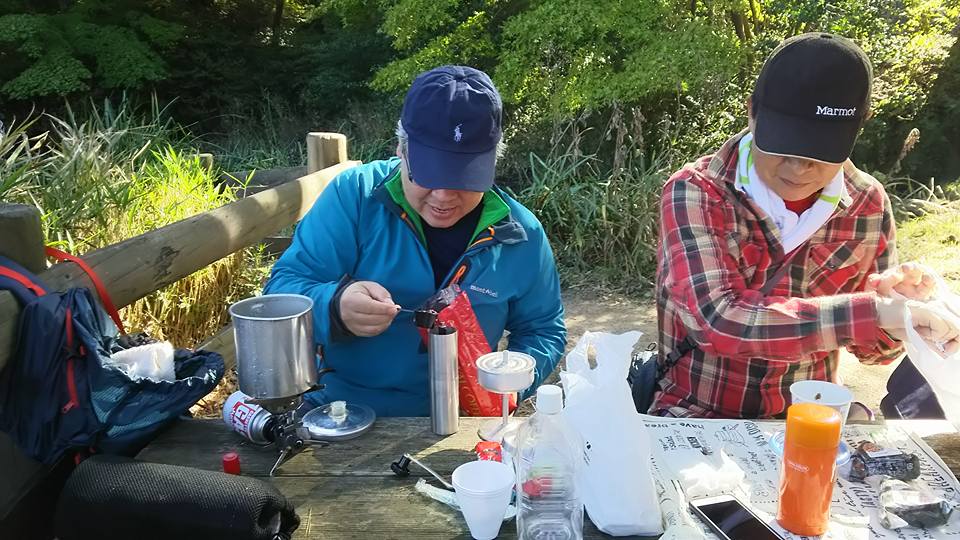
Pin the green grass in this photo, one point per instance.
(76, 169)
(928, 221)
(934, 239)
(273, 135)
(113, 172)
(110, 172)
(194, 308)
(267, 136)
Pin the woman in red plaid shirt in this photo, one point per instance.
(735, 330)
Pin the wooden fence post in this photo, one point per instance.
(22, 238)
(206, 159)
(20, 241)
(325, 150)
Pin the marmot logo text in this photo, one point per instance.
(832, 111)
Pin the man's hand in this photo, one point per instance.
(910, 279)
(366, 308)
(938, 327)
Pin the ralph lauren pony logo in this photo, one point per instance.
(457, 134)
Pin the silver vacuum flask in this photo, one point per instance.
(444, 387)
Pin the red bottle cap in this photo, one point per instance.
(231, 463)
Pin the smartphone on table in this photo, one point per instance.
(730, 519)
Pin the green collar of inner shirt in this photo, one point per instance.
(494, 207)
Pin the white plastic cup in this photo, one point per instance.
(825, 393)
(483, 492)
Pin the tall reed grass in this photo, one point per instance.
(599, 206)
(272, 134)
(267, 136)
(112, 172)
(185, 312)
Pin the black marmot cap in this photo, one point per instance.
(812, 97)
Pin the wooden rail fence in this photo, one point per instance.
(139, 266)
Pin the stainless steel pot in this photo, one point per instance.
(276, 356)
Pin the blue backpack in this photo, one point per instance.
(58, 397)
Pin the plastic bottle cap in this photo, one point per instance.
(549, 399)
(338, 410)
(231, 463)
(813, 425)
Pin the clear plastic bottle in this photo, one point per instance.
(549, 457)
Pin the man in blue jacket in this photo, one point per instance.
(391, 233)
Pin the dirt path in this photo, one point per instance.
(610, 312)
(591, 310)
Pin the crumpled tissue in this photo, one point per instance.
(153, 361)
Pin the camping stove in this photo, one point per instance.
(283, 429)
(276, 366)
(275, 421)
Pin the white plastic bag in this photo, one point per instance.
(938, 369)
(616, 486)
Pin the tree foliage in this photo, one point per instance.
(89, 44)
(562, 56)
(907, 41)
(938, 153)
(680, 69)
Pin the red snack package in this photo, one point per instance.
(471, 344)
(489, 451)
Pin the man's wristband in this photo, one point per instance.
(338, 330)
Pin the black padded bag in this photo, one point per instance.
(111, 497)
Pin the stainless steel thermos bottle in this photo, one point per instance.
(444, 386)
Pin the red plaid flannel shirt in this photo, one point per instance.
(718, 249)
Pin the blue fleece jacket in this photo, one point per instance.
(361, 226)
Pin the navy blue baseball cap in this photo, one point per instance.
(452, 118)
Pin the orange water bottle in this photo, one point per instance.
(809, 468)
